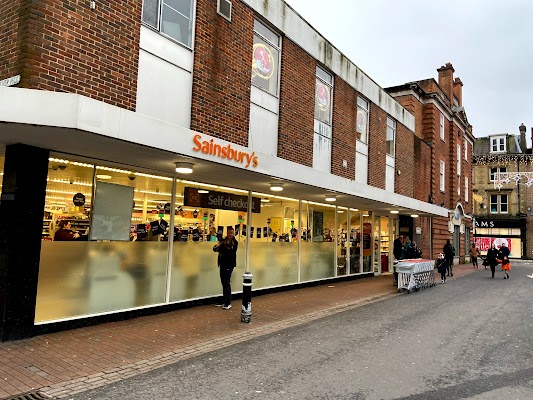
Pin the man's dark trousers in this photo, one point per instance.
(225, 279)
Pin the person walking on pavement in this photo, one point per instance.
(227, 261)
(397, 252)
(442, 266)
(491, 258)
(503, 256)
(474, 254)
(449, 254)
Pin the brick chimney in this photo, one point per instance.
(446, 80)
(523, 144)
(458, 90)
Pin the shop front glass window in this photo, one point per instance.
(317, 258)
(105, 233)
(2, 158)
(274, 245)
(343, 244)
(265, 59)
(367, 241)
(355, 241)
(200, 221)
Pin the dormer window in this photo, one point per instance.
(497, 144)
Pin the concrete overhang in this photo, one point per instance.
(77, 125)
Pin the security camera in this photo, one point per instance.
(131, 177)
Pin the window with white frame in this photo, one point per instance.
(323, 95)
(497, 144)
(442, 126)
(362, 119)
(466, 150)
(499, 204)
(322, 128)
(265, 59)
(391, 136)
(442, 175)
(458, 159)
(171, 17)
(496, 171)
(466, 189)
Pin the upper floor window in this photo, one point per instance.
(466, 150)
(459, 185)
(497, 144)
(323, 91)
(466, 189)
(362, 119)
(442, 126)
(499, 204)
(458, 159)
(265, 59)
(171, 17)
(442, 175)
(495, 172)
(391, 136)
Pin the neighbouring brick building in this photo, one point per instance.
(153, 127)
(502, 179)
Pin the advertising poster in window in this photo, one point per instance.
(484, 243)
(262, 61)
(367, 239)
(361, 121)
(322, 96)
(112, 212)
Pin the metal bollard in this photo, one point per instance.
(246, 310)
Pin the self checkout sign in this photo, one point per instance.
(78, 199)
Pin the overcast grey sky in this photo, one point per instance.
(489, 43)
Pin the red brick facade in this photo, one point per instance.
(68, 47)
(13, 25)
(377, 147)
(344, 129)
(406, 172)
(222, 72)
(297, 105)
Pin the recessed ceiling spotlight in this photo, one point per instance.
(276, 187)
(184, 167)
(394, 212)
(331, 198)
(414, 215)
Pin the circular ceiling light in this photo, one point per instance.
(184, 167)
(394, 212)
(104, 177)
(331, 198)
(414, 215)
(276, 187)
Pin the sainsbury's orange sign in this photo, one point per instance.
(213, 148)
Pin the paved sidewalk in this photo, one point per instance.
(65, 363)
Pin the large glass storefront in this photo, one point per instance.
(116, 238)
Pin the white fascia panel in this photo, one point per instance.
(63, 110)
(158, 45)
(284, 18)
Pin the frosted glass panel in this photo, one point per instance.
(195, 271)
(273, 264)
(112, 212)
(81, 278)
(317, 260)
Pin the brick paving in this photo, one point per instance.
(65, 363)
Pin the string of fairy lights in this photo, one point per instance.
(502, 159)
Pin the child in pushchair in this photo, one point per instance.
(441, 267)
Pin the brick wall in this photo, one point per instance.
(71, 48)
(344, 129)
(377, 147)
(222, 72)
(13, 24)
(422, 172)
(297, 96)
(405, 162)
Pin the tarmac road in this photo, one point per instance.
(471, 338)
